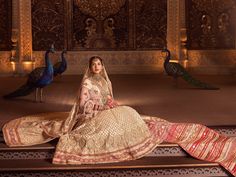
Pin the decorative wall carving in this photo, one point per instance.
(100, 9)
(120, 27)
(117, 62)
(173, 23)
(15, 32)
(48, 23)
(211, 58)
(211, 24)
(80, 25)
(151, 24)
(96, 28)
(5, 65)
(5, 24)
(25, 32)
(221, 62)
(116, 28)
(100, 25)
(124, 32)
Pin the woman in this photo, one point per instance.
(97, 130)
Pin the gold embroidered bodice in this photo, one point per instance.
(102, 85)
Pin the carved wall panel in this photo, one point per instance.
(96, 28)
(151, 24)
(117, 62)
(5, 65)
(99, 24)
(221, 62)
(25, 31)
(112, 30)
(48, 24)
(5, 25)
(79, 25)
(120, 26)
(211, 24)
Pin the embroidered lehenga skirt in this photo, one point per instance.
(119, 134)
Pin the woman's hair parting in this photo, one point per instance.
(93, 58)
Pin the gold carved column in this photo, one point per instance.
(176, 30)
(15, 30)
(25, 34)
(21, 37)
(183, 34)
(15, 37)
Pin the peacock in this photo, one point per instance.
(60, 66)
(176, 70)
(37, 80)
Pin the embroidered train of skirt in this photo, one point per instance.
(119, 134)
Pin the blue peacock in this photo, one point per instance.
(61, 66)
(37, 80)
(176, 70)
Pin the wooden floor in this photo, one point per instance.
(149, 94)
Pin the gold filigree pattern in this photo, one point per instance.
(100, 9)
(25, 30)
(173, 27)
(48, 24)
(150, 18)
(212, 5)
(100, 33)
(100, 24)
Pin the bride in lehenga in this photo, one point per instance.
(98, 130)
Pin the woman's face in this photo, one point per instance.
(96, 66)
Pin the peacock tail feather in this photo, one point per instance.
(196, 83)
(24, 90)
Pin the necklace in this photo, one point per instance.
(102, 85)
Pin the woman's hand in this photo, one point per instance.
(111, 103)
